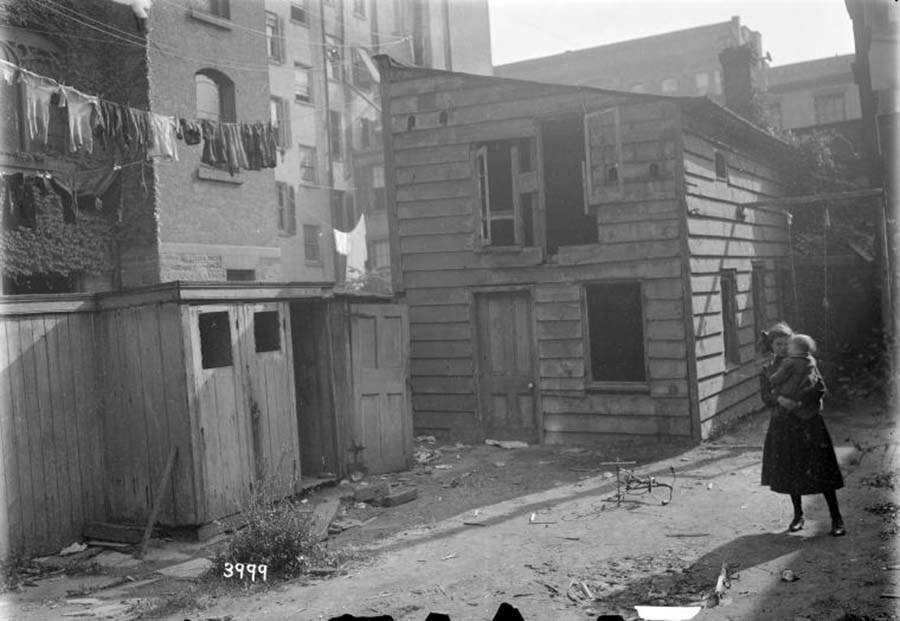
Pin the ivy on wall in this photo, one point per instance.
(56, 247)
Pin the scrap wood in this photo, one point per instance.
(474, 524)
(322, 517)
(449, 556)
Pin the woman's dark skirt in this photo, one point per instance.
(798, 456)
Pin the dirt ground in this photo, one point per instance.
(534, 527)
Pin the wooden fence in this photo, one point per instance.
(50, 426)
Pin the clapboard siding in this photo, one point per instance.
(721, 234)
(52, 478)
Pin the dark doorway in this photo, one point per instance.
(563, 156)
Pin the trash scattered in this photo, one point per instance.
(428, 439)
(398, 496)
(449, 556)
(499, 464)
(75, 548)
(709, 486)
(533, 520)
(789, 576)
(507, 444)
(356, 476)
(443, 467)
(424, 455)
(667, 613)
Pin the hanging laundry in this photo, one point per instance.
(237, 157)
(353, 246)
(80, 108)
(8, 73)
(38, 93)
(191, 131)
(162, 142)
(251, 144)
(342, 242)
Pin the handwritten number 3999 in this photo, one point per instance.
(251, 569)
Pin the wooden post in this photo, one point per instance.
(157, 502)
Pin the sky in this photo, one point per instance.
(792, 30)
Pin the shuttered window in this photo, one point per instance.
(728, 288)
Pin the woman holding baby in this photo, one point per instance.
(798, 455)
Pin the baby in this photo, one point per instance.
(798, 371)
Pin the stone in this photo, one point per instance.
(187, 570)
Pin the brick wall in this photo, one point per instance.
(232, 211)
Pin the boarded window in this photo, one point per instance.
(215, 340)
(728, 288)
(266, 332)
(616, 332)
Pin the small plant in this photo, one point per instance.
(277, 535)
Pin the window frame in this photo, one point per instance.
(310, 151)
(719, 156)
(282, 120)
(302, 5)
(487, 215)
(275, 41)
(336, 135)
(310, 231)
(639, 386)
(286, 208)
(299, 98)
(826, 97)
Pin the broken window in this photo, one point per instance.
(215, 340)
(728, 288)
(506, 185)
(266, 332)
(569, 222)
(616, 332)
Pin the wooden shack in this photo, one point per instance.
(248, 383)
(579, 264)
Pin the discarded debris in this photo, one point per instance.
(323, 515)
(443, 467)
(789, 576)
(507, 444)
(399, 496)
(449, 556)
(428, 439)
(75, 548)
(474, 524)
(424, 455)
(368, 493)
(688, 535)
(667, 613)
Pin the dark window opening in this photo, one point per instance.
(215, 340)
(728, 287)
(616, 332)
(563, 157)
(336, 134)
(654, 170)
(240, 275)
(721, 166)
(442, 117)
(298, 13)
(612, 174)
(266, 332)
(219, 8)
(411, 122)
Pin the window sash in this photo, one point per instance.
(307, 163)
(275, 37)
(302, 83)
(311, 248)
(300, 12)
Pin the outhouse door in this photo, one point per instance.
(382, 425)
(506, 388)
(268, 376)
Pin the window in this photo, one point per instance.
(335, 135)
(287, 212)
(774, 113)
(830, 108)
(343, 215)
(702, 82)
(240, 275)
(215, 340)
(219, 8)
(274, 38)
(300, 12)
(616, 332)
(307, 164)
(670, 85)
(758, 287)
(378, 198)
(380, 253)
(311, 243)
(280, 116)
(266, 332)
(499, 173)
(302, 83)
(359, 8)
(728, 288)
(215, 96)
(721, 166)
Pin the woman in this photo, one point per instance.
(798, 455)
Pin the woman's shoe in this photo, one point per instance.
(837, 528)
(796, 524)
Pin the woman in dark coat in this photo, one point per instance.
(798, 455)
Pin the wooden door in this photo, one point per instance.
(217, 405)
(382, 421)
(268, 375)
(505, 366)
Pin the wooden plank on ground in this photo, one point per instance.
(321, 519)
(157, 501)
(107, 531)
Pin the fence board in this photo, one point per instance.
(8, 494)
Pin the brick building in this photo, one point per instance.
(814, 92)
(684, 62)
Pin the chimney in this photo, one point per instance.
(739, 65)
